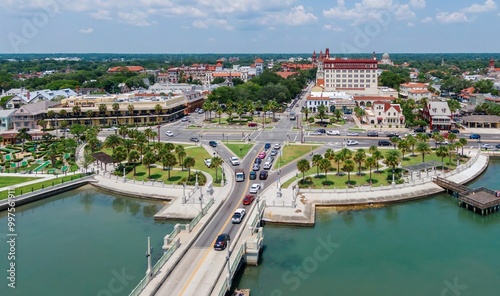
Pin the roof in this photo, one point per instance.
(373, 98)
(414, 85)
(36, 108)
(481, 118)
(259, 60)
(438, 108)
(388, 105)
(422, 166)
(286, 74)
(103, 157)
(6, 113)
(126, 68)
(418, 91)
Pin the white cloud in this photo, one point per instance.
(426, 20)
(403, 12)
(451, 18)
(410, 24)
(488, 5)
(199, 24)
(372, 9)
(210, 39)
(298, 16)
(417, 4)
(101, 15)
(331, 27)
(135, 18)
(86, 31)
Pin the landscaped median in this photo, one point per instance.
(40, 185)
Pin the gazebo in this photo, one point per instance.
(101, 158)
(422, 166)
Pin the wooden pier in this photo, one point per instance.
(480, 200)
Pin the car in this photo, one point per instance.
(263, 175)
(419, 130)
(384, 143)
(270, 159)
(277, 146)
(222, 241)
(444, 142)
(411, 134)
(351, 134)
(390, 135)
(248, 199)
(208, 162)
(111, 129)
(333, 133)
(372, 134)
(238, 216)
(487, 146)
(262, 155)
(267, 146)
(184, 119)
(316, 133)
(234, 160)
(200, 111)
(267, 165)
(256, 167)
(257, 160)
(212, 144)
(497, 146)
(352, 142)
(252, 175)
(194, 139)
(296, 105)
(252, 124)
(274, 152)
(169, 133)
(254, 188)
(66, 130)
(455, 131)
(475, 136)
(322, 130)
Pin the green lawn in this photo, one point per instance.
(40, 185)
(294, 152)
(338, 182)
(240, 149)
(9, 181)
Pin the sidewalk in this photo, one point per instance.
(301, 210)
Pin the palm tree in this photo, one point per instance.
(112, 142)
(411, 140)
(423, 147)
(403, 146)
(158, 109)
(325, 166)
(102, 109)
(348, 167)
(76, 110)
(43, 123)
(147, 133)
(130, 109)
(359, 157)
(189, 162)
(305, 111)
(392, 159)
(315, 162)
(128, 144)
(421, 137)
(148, 160)
(371, 162)
(451, 147)
(64, 125)
(462, 143)
(217, 162)
(63, 113)
(377, 155)
(394, 141)
(438, 138)
(303, 166)
(168, 160)
(321, 110)
(89, 114)
(442, 151)
(208, 106)
(119, 155)
(123, 131)
(23, 136)
(240, 110)
(452, 138)
(52, 154)
(169, 146)
(219, 112)
(338, 114)
(179, 150)
(338, 159)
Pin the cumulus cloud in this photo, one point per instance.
(410, 24)
(369, 9)
(135, 18)
(299, 16)
(86, 31)
(488, 5)
(101, 15)
(426, 20)
(451, 18)
(417, 3)
(199, 24)
(333, 28)
(403, 12)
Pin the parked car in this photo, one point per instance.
(322, 130)
(372, 134)
(184, 119)
(267, 146)
(111, 129)
(270, 159)
(248, 199)
(475, 136)
(384, 143)
(263, 175)
(352, 142)
(497, 146)
(254, 188)
(455, 131)
(256, 167)
(222, 241)
(169, 133)
(234, 160)
(419, 130)
(238, 216)
(487, 146)
(252, 175)
(194, 139)
(390, 135)
(252, 124)
(212, 144)
(351, 134)
(333, 133)
(445, 142)
(208, 162)
(316, 133)
(200, 111)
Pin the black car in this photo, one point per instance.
(258, 160)
(372, 134)
(384, 143)
(263, 175)
(212, 144)
(222, 242)
(419, 130)
(322, 130)
(455, 131)
(194, 139)
(390, 135)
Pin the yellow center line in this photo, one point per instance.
(213, 242)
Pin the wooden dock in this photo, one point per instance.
(480, 200)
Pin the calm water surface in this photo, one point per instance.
(428, 247)
(82, 242)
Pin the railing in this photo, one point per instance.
(138, 289)
(166, 256)
(233, 267)
(224, 289)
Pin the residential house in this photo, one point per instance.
(6, 119)
(415, 91)
(385, 113)
(438, 115)
(38, 96)
(27, 116)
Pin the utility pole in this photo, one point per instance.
(149, 272)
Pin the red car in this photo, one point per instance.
(252, 124)
(248, 199)
(262, 155)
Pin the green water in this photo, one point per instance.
(83, 242)
(428, 247)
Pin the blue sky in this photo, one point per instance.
(248, 26)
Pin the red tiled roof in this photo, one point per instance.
(372, 98)
(286, 74)
(259, 60)
(127, 68)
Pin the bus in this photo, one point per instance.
(239, 175)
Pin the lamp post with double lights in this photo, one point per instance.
(228, 264)
(158, 127)
(149, 271)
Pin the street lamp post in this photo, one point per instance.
(228, 264)
(124, 176)
(201, 200)
(158, 127)
(149, 271)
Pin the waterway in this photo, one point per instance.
(82, 242)
(427, 247)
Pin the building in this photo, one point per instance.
(28, 116)
(354, 76)
(438, 115)
(386, 60)
(6, 119)
(135, 69)
(331, 100)
(415, 91)
(385, 113)
(38, 96)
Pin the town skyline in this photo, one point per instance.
(290, 26)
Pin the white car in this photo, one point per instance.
(352, 142)
(487, 146)
(238, 216)
(277, 146)
(208, 162)
(333, 133)
(254, 188)
(351, 134)
(234, 160)
(169, 133)
(267, 165)
(112, 129)
(316, 133)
